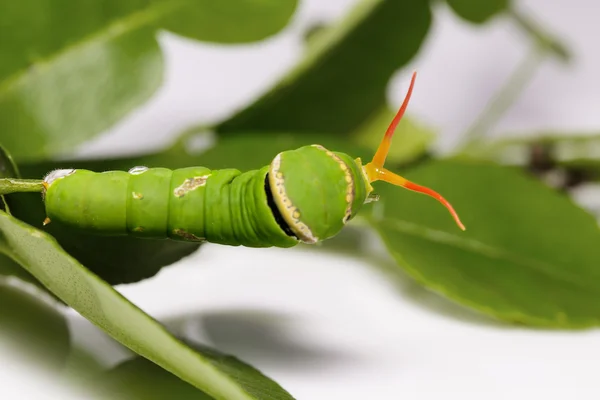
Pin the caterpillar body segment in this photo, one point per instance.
(304, 195)
(190, 204)
(317, 191)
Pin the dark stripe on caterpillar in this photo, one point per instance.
(276, 213)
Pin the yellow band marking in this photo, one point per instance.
(347, 176)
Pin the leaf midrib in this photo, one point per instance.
(112, 30)
(478, 247)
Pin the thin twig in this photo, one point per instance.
(544, 45)
(504, 99)
(540, 35)
(9, 185)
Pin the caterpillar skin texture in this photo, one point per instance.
(304, 195)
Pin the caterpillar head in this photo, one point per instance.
(317, 191)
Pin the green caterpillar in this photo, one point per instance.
(304, 195)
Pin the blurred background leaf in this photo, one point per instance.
(82, 367)
(70, 71)
(342, 79)
(33, 326)
(8, 267)
(228, 21)
(478, 11)
(141, 379)
(529, 254)
(221, 376)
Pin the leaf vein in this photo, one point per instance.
(478, 247)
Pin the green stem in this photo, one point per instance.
(503, 99)
(9, 185)
(542, 37)
(544, 45)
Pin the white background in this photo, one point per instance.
(328, 326)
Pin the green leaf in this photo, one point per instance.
(33, 326)
(229, 21)
(529, 254)
(72, 70)
(58, 100)
(82, 367)
(140, 379)
(95, 300)
(343, 77)
(478, 11)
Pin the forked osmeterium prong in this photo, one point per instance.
(386, 142)
(376, 171)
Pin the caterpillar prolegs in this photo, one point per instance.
(304, 195)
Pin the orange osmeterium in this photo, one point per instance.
(376, 172)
